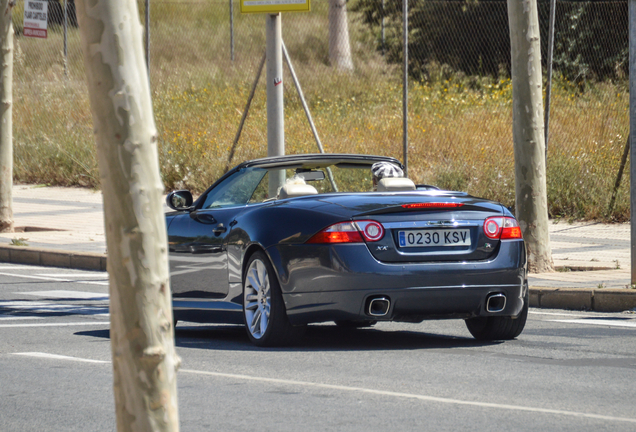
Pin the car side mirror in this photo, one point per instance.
(180, 200)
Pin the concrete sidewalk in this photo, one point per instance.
(593, 259)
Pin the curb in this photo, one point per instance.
(599, 300)
(590, 299)
(52, 258)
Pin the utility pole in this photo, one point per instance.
(275, 114)
(528, 133)
(6, 118)
(145, 362)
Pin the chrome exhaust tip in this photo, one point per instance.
(496, 302)
(379, 306)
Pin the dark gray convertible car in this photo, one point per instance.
(281, 242)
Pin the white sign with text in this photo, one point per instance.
(35, 22)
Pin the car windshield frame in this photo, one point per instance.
(228, 192)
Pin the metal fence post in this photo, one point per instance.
(232, 30)
(548, 88)
(383, 32)
(66, 38)
(632, 128)
(405, 86)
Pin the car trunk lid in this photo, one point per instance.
(428, 227)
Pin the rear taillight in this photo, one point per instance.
(350, 232)
(502, 228)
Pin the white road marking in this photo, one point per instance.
(107, 323)
(387, 393)
(35, 277)
(600, 322)
(106, 283)
(79, 275)
(17, 318)
(65, 294)
(557, 314)
(60, 357)
(59, 278)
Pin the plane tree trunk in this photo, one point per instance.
(528, 133)
(141, 328)
(6, 113)
(339, 47)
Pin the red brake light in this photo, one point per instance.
(502, 228)
(432, 205)
(350, 232)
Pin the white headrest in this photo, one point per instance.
(395, 184)
(291, 190)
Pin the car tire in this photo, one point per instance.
(266, 320)
(355, 324)
(498, 328)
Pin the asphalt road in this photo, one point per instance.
(567, 371)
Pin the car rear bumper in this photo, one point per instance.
(326, 283)
(410, 305)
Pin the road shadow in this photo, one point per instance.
(317, 338)
(323, 338)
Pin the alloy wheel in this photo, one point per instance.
(257, 299)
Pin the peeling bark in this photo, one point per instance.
(339, 47)
(142, 332)
(528, 133)
(6, 117)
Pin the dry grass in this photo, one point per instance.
(459, 127)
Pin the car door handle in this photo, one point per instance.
(204, 218)
(219, 229)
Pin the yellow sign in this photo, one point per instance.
(274, 6)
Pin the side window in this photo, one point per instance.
(262, 190)
(235, 190)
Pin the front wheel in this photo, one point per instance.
(498, 328)
(264, 311)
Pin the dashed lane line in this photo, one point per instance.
(401, 395)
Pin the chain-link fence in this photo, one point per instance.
(203, 62)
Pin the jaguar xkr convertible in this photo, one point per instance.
(281, 242)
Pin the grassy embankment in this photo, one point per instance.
(459, 131)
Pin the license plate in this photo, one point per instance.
(439, 237)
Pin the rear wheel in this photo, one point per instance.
(498, 328)
(264, 311)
